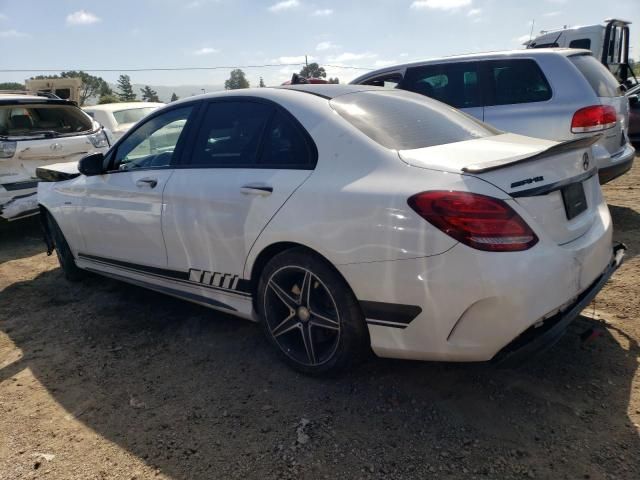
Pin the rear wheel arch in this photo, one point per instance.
(269, 252)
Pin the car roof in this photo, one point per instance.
(495, 55)
(18, 99)
(111, 107)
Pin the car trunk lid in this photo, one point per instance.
(556, 183)
(35, 153)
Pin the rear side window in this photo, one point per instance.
(581, 43)
(284, 145)
(230, 134)
(403, 121)
(604, 84)
(27, 120)
(456, 84)
(516, 81)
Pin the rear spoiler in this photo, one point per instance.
(559, 148)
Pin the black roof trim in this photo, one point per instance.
(36, 101)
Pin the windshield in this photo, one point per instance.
(23, 120)
(132, 115)
(404, 121)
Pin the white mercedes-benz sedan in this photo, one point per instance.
(344, 219)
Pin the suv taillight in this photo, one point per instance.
(481, 222)
(593, 119)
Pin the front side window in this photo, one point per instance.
(517, 81)
(388, 80)
(230, 134)
(455, 84)
(153, 143)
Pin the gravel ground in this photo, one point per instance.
(104, 380)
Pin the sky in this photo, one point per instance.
(367, 34)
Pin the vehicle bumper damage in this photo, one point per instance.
(20, 206)
(541, 337)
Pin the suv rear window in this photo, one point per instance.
(604, 84)
(404, 121)
(25, 120)
(516, 81)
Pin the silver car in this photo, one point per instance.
(559, 94)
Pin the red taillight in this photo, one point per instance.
(481, 222)
(593, 119)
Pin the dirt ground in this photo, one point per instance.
(104, 380)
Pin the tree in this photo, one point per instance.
(334, 80)
(261, 84)
(92, 86)
(174, 97)
(125, 90)
(149, 95)
(12, 86)
(236, 80)
(313, 70)
(110, 98)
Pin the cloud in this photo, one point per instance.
(552, 14)
(13, 34)
(205, 51)
(284, 5)
(474, 12)
(82, 17)
(523, 38)
(404, 54)
(350, 57)
(440, 4)
(322, 46)
(323, 12)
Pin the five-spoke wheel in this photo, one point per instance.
(309, 312)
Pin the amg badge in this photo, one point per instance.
(527, 181)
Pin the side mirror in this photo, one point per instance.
(91, 164)
(634, 102)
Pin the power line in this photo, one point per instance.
(166, 69)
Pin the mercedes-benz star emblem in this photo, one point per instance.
(585, 161)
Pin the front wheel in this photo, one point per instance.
(65, 257)
(309, 313)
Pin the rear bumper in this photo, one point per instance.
(619, 165)
(538, 339)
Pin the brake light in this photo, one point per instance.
(593, 119)
(481, 222)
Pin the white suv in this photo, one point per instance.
(37, 131)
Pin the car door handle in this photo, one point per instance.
(256, 189)
(147, 182)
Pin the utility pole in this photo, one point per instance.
(305, 61)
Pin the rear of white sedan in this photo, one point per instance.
(350, 216)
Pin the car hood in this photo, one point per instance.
(58, 172)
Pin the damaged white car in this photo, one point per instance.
(37, 131)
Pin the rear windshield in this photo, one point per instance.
(24, 120)
(132, 115)
(404, 121)
(600, 79)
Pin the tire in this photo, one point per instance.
(309, 313)
(65, 257)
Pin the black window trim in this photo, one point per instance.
(180, 146)
(397, 73)
(184, 161)
(487, 82)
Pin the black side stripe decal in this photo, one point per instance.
(394, 315)
(212, 280)
(168, 291)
